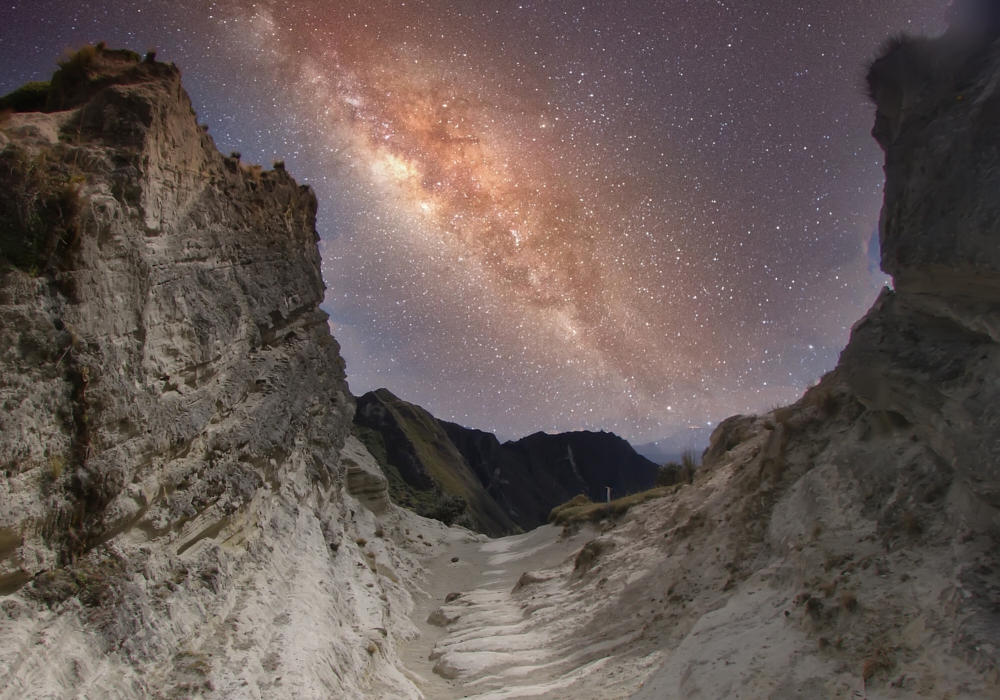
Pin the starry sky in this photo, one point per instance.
(550, 215)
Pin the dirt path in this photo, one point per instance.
(495, 565)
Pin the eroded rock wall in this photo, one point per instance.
(174, 518)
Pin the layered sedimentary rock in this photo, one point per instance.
(844, 546)
(175, 509)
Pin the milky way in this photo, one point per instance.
(552, 215)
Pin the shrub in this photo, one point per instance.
(689, 465)
(878, 660)
(93, 583)
(586, 557)
(57, 463)
(38, 208)
(30, 97)
(447, 509)
(582, 510)
(83, 72)
(681, 472)
(670, 474)
(911, 524)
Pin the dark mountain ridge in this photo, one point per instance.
(507, 486)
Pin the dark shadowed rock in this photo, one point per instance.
(531, 476)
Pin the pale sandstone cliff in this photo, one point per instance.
(176, 517)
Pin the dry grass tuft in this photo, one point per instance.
(582, 510)
(878, 660)
(911, 524)
(587, 556)
(57, 465)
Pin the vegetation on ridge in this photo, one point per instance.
(76, 69)
(581, 509)
(678, 473)
(30, 97)
(430, 503)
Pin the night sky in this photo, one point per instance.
(631, 216)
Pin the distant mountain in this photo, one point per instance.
(531, 476)
(669, 449)
(432, 463)
(426, 472)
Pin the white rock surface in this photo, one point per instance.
(694, 596)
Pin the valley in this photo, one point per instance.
(193, 504)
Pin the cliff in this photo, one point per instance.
(176, 508)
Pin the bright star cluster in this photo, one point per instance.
(550, 215)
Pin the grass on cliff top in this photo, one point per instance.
(75, 68)
(581, 509)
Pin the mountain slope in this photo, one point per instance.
(430, 469)
(531, 476)
(507, 487)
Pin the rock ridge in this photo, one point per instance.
(505, 487)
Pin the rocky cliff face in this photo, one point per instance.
(175, 509)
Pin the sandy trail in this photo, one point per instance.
(494, 565)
